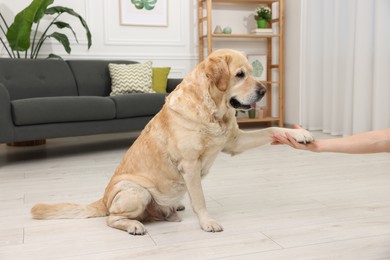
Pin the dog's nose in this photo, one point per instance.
(261, 91)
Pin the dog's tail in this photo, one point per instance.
(69, 210)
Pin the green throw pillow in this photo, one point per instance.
(160, 79)
(131, 78)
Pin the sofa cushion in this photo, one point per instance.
(138, 104)
(92, 76)
(27, 78)
(61, 109)
(160, 79)
(133, 78)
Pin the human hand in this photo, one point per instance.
(289, 140)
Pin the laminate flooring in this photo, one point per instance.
(274, 202)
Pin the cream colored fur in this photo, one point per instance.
(178, 147)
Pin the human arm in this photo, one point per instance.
(367, 142)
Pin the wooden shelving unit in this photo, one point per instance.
(206, 40)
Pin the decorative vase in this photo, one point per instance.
(218, 29)
(262, 23)
(252, 113)
(227, 30)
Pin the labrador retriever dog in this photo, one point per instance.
(177, 148)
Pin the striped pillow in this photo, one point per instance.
(131, 78)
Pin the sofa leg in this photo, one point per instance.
(28, 143)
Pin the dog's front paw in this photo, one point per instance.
(136, 228)
(211, 225)
(301, 135)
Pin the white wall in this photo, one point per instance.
(174, 45)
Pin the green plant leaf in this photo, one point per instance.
(63, 39)
(149, 4)
(54, 56)
(18, 34)
(139, 4)
(62, 25)
(61, 9)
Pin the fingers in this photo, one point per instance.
(297, 127)
(288, 140)
(278, 139)
(292, 141)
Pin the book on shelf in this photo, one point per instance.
(262, 31)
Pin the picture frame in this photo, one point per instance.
(144, 12)
(259, 64)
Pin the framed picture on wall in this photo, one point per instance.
(144, 12)
(259, 64)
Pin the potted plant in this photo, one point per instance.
(252, 111)
(263, 15)
(21, 36)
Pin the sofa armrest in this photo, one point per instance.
(172, 83)
(6, 123)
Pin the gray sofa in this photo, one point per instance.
(41, 99)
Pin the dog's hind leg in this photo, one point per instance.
(127, 208)
(131, 226)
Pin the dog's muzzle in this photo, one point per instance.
(259, 94)
(238, 105)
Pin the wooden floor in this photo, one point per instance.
(273, 202)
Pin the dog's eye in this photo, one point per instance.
(240, 74)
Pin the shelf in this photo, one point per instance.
(274, 81)
(222, 35)
(270, 82)
(244, 1)
(257, 120)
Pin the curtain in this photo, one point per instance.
(345, 65)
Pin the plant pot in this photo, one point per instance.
(262, 23)
(252, 113)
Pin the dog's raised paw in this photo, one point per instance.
(302, 136)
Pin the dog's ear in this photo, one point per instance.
(217, 70)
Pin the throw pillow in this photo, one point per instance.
(160, 79)
(131, 78)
